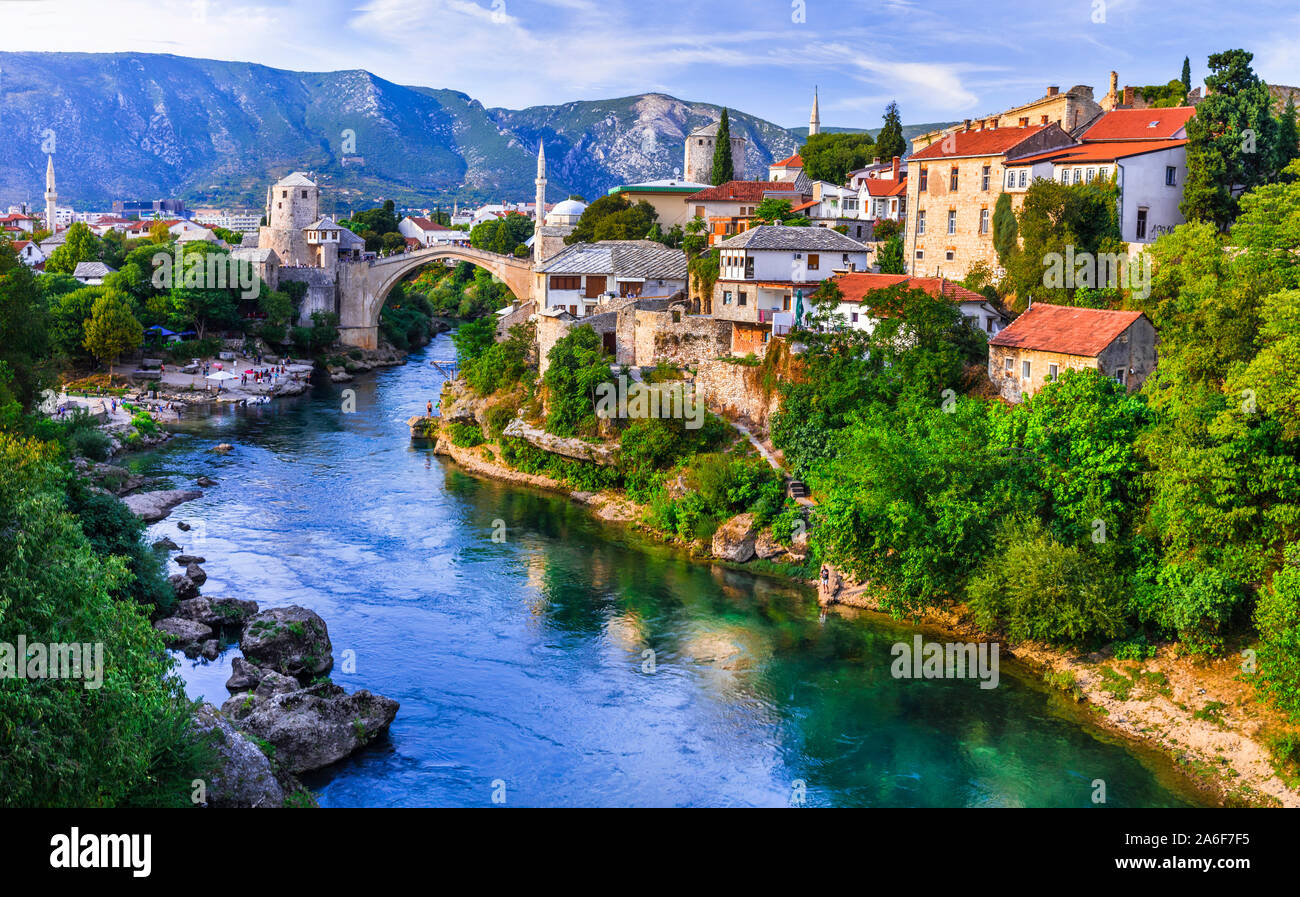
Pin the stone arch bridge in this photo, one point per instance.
(363, 286)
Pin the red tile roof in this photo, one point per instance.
(795, 161)
(989, 142)
(426, 224)
(855, 286)
(16, 216)
(804, 205)
(886, 186)
(742, 191)
(1137, 124)
(1065, 329)
(1101, 152)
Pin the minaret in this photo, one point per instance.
(541, 201)
(51, 197)
(814, 120)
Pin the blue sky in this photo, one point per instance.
(941, 60)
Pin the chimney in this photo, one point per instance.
(875, 160)
(896, 161)
(1053, 90)
(1114, 83)
(1128, 96)
(967, 124)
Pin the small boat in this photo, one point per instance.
(259, 400)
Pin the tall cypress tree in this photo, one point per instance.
(890, 142)
(1288, 135)
(723, 168)
(1187, 75)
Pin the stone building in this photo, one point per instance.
(952, 188)
(585, 277)
(698, 164)
(292, 205)
(1048, 340)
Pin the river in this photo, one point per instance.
(521, 665)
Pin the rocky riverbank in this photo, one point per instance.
(284, 717)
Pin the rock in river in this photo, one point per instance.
(292, 640)
(154, 506)
(178, 632)
(243, 776)
(315, 726)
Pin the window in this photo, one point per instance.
(853, 317)
(1101, 172)
(1011, 179)
(1065, 175)
(1078, 175)
(949, 255)
(284, 194)
(1092, 172)
(814, 261)
(1142, 224)
(726, 297)
(984, 221)
(1009, 361)
(573, 310)
(566, 283)
(1120, 376)
(1053, 371)
(749, 267)
(1024, 121)
(920, 223)
(984, 178)
(742, 298)
(1024, 177)
(304, 194)
(1025, 368)
(952, 221)
(952, 178)
(699, 211)
(1171, 176)
(846, 258)
(785, 302)
(925, 177)
(920, 253)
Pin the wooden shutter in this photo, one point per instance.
(595, 285)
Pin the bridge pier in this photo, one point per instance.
(361, 337)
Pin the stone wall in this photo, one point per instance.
(1134, 351)
(322, 291)
(735, 391)
(519, 313)
(679, 338)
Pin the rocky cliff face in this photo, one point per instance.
(143, 126)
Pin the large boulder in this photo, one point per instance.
(219, 613)
(766, 546)
(315, 726)
(179, 632)
(734, 540)
(244, 676)
(196, 574)
(291, 640)
(243, 776)
(184, 587)
(154, 506)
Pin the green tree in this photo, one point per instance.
(1006, 233)
(723, 165)
(614, 217)
(111, 330)
(890, 141)
(577, 365)
(1231, 140)
(130, 741)
(80, 245)
(830, 157)
(1187, 76)
(890, 256)
(1288, 137)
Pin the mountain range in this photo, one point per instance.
(146, 126)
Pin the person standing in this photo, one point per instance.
(428, 407)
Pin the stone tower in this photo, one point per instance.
(698, 164)
(292, 204)
(815, 119)
(540, 181)
(51, 197)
